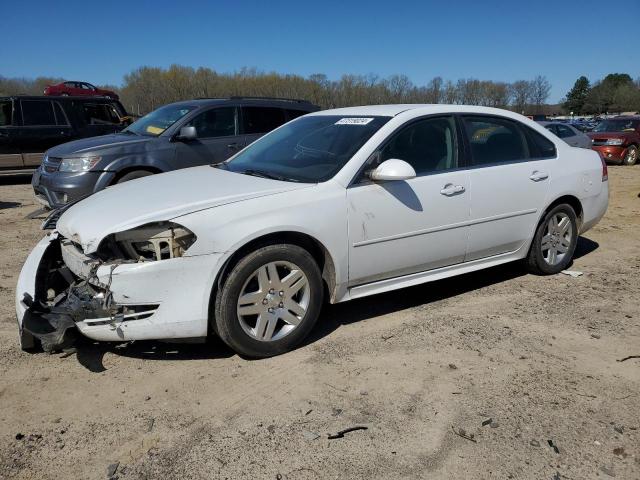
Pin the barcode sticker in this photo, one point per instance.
(353, 121)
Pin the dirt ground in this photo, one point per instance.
(519, 365)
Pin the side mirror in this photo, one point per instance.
(187, 133)
(393, 169)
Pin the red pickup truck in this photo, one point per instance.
(617, 139)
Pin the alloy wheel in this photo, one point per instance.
(273, 301)
(557, 238)
(632, 156)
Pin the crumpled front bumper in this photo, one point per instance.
(167, 299)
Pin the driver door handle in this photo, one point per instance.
(536, 176)
(450, 189)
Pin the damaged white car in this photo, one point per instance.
(335, 205)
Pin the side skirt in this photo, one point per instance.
(404, 281)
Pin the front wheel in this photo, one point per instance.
(631, 156)
(555, 241)
(270, 301)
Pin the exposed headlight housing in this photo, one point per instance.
(78, 164)
(148, 243)
(614, 141)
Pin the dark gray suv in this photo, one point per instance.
(178, 135)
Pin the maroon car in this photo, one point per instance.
(78, 89)
(617, 139)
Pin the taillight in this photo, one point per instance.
(605, 172)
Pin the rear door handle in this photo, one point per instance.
(450, 189)
(537, 176)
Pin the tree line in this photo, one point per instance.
(146, 88)
(615, 93)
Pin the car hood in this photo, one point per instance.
(160, 197)
(607, 135)
(98, 145)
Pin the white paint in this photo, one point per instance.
(380, 236)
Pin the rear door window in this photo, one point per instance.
(261, 119)
(100, 114)
(37, 113)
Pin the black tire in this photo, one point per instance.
(631, 156)
(64, 94)
(227, 323)
(535, 261)
(133, 175)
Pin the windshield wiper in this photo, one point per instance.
(272, 176)
(128, 132)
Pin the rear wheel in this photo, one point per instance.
(270, 301)
(64, 94)
(631, 156)
(555, 241)
(133, 175)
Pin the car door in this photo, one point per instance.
(508, 183)
(44, 125)
(217, 138)
(10, 157)
(402, 227)
(256, 121)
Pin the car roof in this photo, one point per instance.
(419, 109)
(276, 102)
(56, 98)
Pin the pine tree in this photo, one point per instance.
(577, 96)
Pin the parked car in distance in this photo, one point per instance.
(79, 89)
(178, 135)
(30, 125)
(568, 133)
(617, 139)
(351, 202)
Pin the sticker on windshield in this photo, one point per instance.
(353, 121)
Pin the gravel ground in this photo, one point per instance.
(496, 374)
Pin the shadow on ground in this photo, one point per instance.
(90, 354)
(15, 180)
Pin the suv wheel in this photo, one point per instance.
(631, 156)
(270, 301)
(555, 241)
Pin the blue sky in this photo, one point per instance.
(100, 41)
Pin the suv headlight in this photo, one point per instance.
(151, 242)
(614, 141)
(78, 164)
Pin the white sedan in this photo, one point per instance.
(335, 205)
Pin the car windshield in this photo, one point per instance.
(311, 149)
(156, 122)
(617, 125)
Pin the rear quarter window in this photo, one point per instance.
(539, 145)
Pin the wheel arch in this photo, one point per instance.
(124, 171)
(571, 200)
(315, 247)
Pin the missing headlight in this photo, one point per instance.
(155, 241)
